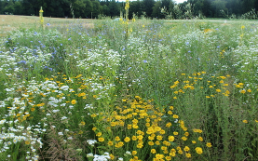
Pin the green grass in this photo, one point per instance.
(175, 89)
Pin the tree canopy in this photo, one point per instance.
(112, 8)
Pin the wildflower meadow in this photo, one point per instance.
(129, 90)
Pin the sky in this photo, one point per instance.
(179, 1)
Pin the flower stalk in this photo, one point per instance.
(127, 6)
(41, 18)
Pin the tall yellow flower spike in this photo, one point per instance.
(127, 6)
(41, 18)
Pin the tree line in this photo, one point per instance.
(147, 8)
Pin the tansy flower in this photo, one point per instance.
(218, 90)
(153, 151)
(140, 145)
(114, 124)
(243, 91)
(134, 152)
(94, 129)
(186, 148)
(162, 132)
(112, 157)
(164, 148)
(168, 124)
(159, 137)
(200, 138)
(168, 158)
(27, 142)
(93, 115)
(151, 138)
(159, 156)
(184, 138)
(245, 121)
(127, 139)
(139, 137)
(180, 152)
(73, 101)
(82, 123)
(173, 154)
(209, 145)
(197, 130)
(151, 143)
(134, 138)
(117, 138)
(157, 142)
(171, 138)
(170, 112)
(188, 155)
(198, 150)
(110, 143)
(175, 116)
(166, 143)
(135, 158)
(101, 139)
(121, 144)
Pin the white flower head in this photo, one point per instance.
(60, 133)
(120, 159)
(89, 155)
(91, 142)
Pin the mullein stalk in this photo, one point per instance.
(127, 6)
(41, 18)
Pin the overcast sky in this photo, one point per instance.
(179, 1)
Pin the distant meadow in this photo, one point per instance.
(128, 90)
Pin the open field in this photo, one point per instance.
(12, 22)
(146, 90)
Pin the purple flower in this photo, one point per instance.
(22, 62)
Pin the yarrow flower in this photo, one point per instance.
(91, 142)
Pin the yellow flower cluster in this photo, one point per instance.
(141, 126)
(215, 87)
